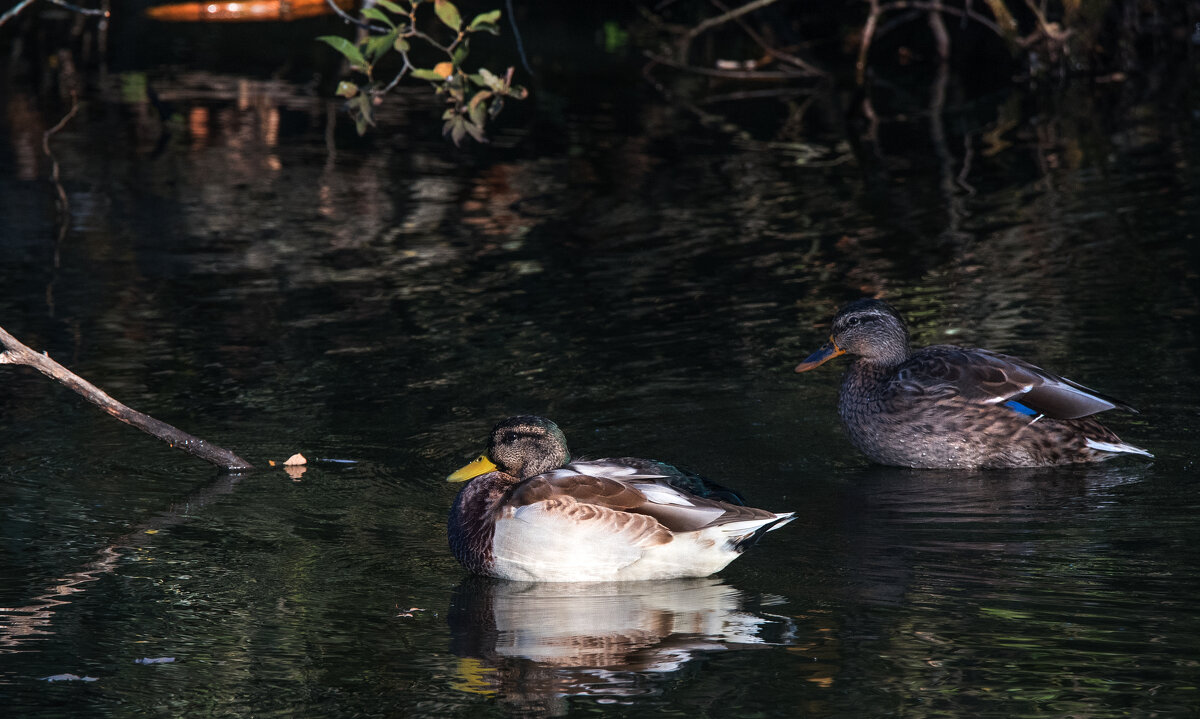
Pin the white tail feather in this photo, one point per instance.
(1116, 448)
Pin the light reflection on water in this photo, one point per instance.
(531, 645)
(386, 305)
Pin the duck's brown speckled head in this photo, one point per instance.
(868, 328)
(523, 447)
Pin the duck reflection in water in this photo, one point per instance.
(533, 644)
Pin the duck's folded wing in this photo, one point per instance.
(635, 492)
(994, 378)
(624, 468)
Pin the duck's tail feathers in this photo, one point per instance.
(1116, 448)
(744, 535)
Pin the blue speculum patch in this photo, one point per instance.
(1018, 407)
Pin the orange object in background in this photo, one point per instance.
(252, 11)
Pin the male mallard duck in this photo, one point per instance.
(531, 513)
(953, 407)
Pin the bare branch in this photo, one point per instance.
(64, 205)
(773, 52)
(738, 74)
(353, 20)
(686, 40)
(15, 10)
(94, 12)
(17, 353)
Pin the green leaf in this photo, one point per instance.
(347, 49)
(455, 128)
(427, 75)
(487, 18)
(347, 89)
(378, 45)
(401, 45)
(490, 81)
(363, 113)
(478, 112)
(479, 97)
(391, 7)
(448, 14)
(376, 14)
(486, 27)
(496, 106)
(476, 131)
(459, 54)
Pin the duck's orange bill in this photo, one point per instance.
(481, 465)
(827, 352)
(248, 11)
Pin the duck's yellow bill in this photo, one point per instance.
(481, 465)
(827, 352)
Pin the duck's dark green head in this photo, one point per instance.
(522, 446)
(871, 329)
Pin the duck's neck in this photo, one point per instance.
(867, 376)
(472, 519)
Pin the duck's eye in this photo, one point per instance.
(510, 437)
(854, 321)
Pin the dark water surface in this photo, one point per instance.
(386, 303)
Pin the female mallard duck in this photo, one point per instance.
(531, 513)
(952, 407)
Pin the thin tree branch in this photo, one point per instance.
(355, 21)
(737, 74)
(64, 205)
(17, 353)
(15, 10)
(773, 52)
(94, 12)
(860, 68)
(686, 41)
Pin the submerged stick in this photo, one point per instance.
(17, 353)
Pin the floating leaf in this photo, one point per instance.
(67, 678)
(377, 14)
(347, 89)
(448, 14)
(347, 48)
(427, 75)
(294, 460)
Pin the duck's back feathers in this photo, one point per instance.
(979, 375)
(607, 484)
